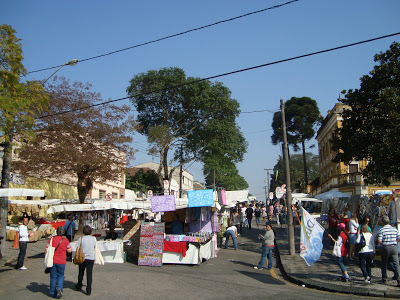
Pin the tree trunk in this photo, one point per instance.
(305, 166)
(84, 186)
(5, 183)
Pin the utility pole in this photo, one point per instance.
(267, 182)
(292, 250)
(181, 173)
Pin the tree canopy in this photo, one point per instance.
(296, 171)
(194, 119)
(142, 181)
(302, 116)
(84, 145)
(371, 126)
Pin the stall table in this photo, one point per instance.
(112, 251)
(194, 255)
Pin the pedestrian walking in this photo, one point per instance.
(23, 242)
(249, 214)
(388, 237)
(270, 212)
(70, 228)
(340, 251)
(88, 244)
(353, 228)
(244, 218)
(257, 215)
(366, 254)
(332, 223)
(235, 219)
(62, 246)
(231, 231)
(267, 246)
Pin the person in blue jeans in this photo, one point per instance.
(267, 247)
(231, 231)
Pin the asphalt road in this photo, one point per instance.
(231, 274)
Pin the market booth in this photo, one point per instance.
(199, 242)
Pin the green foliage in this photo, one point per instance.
(19, 102)
(143, 181)
(370, 128)
(296, 171)
(193, 118)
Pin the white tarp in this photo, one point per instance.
(301, 197)
(35, 202)
(331, 195)
(21, 193)
(233, 197)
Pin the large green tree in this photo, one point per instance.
(296, 171)
(78, 146)
(19, 103)
(142, 181)
(302, 116)
(192, 118)
(371, 126)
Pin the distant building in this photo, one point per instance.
(346, 178)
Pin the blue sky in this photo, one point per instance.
(54, 32)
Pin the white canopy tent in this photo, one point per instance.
(331, 195)
(21, 193)
(301, 197)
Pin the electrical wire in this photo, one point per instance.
(224, 74)
(174, 35)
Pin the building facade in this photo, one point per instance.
(346, 178)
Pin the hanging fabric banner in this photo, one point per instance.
(310, 238)
(163, 203)
(201, 198)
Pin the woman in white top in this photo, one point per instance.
(88, 244)
(366, 254)
(353, 229)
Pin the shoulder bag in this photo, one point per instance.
(79, 257)
(48, 259)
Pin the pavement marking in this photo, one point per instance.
(273, 274)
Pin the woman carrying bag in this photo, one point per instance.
(62, 246)
(366, 253)
(88, 244)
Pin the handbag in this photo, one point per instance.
(361, 244)
(98, 257)
(79, 256)
(337, 249)
(48, 259)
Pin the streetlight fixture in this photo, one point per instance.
(72, 62)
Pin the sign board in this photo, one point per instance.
(271, 195)
(149, 193)
(279, 192)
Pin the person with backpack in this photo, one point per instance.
(366, 247)
(340, 250)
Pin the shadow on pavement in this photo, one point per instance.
(262, 277)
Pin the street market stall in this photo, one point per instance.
(112, 251)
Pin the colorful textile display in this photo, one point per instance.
(201, 198)
(151, 244)
(177, 247)
(163, 203)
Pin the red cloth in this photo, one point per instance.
(177, 247)
(60, 255)
(58, 224)
(344, 238)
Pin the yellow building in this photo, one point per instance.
(346, 178)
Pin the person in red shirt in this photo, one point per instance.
(341, 242)
(62, 246)
(332, 223)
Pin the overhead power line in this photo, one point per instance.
(174, 35)
(225, 74)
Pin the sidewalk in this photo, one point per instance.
(324, 274)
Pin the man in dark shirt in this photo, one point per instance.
(111, 234)
(249, 214)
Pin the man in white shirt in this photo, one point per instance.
(23, 242)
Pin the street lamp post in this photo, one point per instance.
(72, 62)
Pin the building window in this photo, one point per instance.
(115, 195)
(102, 194)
